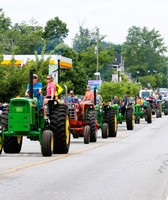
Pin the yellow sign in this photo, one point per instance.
(59, 89)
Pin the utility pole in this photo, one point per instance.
(97, 51)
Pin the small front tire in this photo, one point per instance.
(47, 144)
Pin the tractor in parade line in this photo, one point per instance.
(106, 118)
(143, 111)
(23, 117)
(165, 107)
(83, 121)
(87, 118)
(128, 116)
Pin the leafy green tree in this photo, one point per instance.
(5, 26)
(54, 33)
(5, 22)
(144, 48)
(29, 38)
(12, 80)
(110, 89)
(145, 80)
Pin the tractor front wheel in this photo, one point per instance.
(47, 144)
(105, 130)
(86, 134)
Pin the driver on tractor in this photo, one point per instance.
(89, 95)
(88, 98)
(72, 98)
(37, 90)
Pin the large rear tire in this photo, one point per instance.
(0, 144)
(111, 120)
(166, 111)
(130, 118)
(47, 143)
(91, 118)
(11, 144)
(149, 114)
(59, 123)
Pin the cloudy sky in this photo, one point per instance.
(112, 17)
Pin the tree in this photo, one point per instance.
(144, 48)
(110, 89)
(5, 22)
(5, 26)
(29, 38)
(54, 33)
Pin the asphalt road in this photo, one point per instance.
(132, 166)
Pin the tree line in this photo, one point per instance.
(143, 53)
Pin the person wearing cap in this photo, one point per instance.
(50, 93)
(71, 98)
(37, 87)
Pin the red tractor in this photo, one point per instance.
(83, 121)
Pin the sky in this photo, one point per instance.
(112, 17)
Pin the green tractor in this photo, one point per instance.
(107, 120)
(128, 117)
(143, 111)
(24, 118)
(165, 107)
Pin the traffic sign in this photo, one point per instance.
(59, 89)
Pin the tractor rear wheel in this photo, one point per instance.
(105, 130)
(137, 119)
(149, 114)
(47, 144)
(86, 134)
(59, 123)
(91, 118)
(11, 144)
(166, 104)
(130, 119)
(111, 120)
(0, 144)
(166, 111)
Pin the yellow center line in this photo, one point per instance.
(35, 164)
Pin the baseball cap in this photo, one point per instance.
(71, 92)
(35, 75)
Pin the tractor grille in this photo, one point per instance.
(71, 110)
(72, 113)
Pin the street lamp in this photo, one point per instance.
(98, 75)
